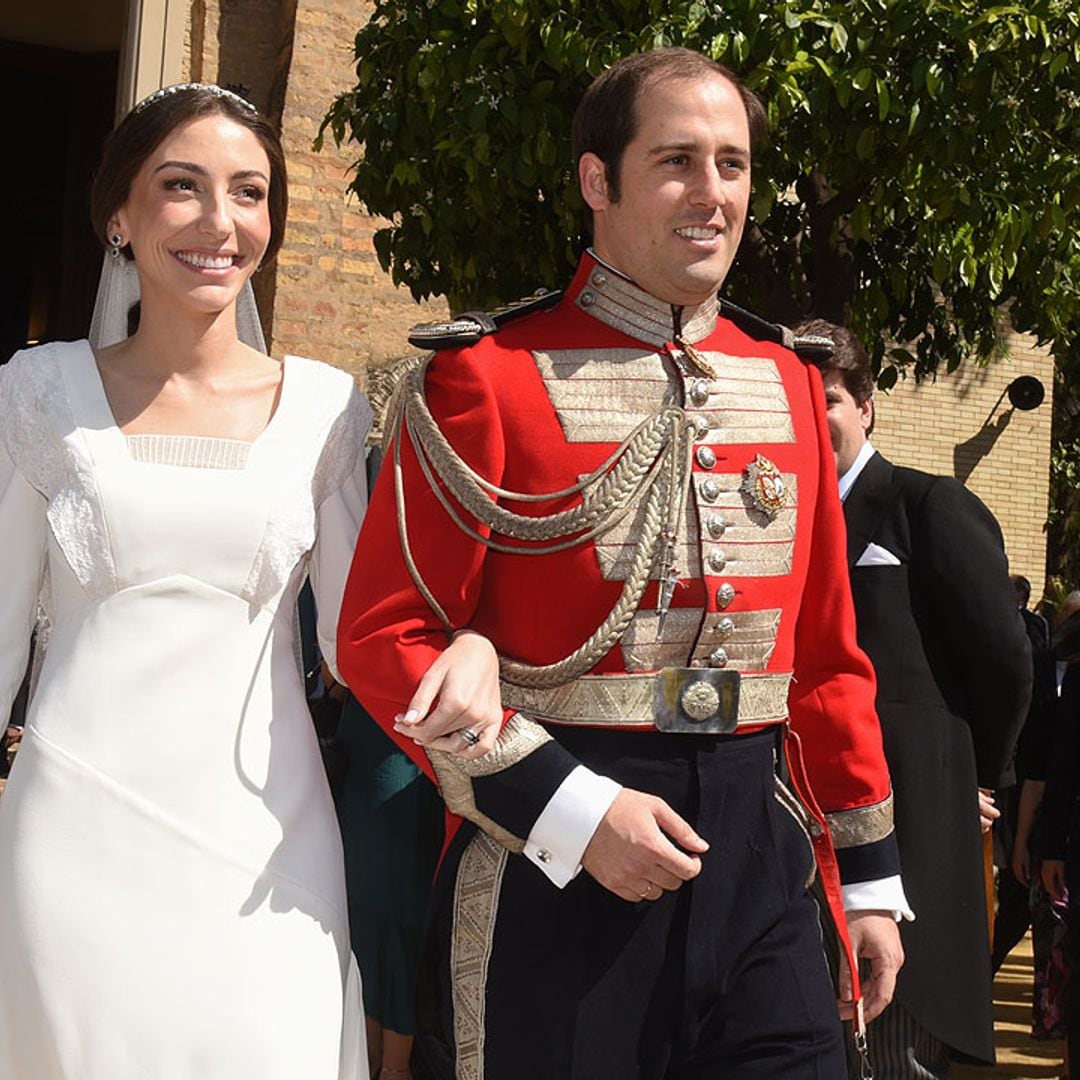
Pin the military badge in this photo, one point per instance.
(764, 486)
(700, 700)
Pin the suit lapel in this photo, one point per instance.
(867, 503)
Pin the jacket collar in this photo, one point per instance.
(607, 294)
(866, 504)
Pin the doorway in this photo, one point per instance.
(58, 80)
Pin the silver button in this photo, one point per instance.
(725, 627)
(718, 657)
(599, 279)
(725, 594)
(716, 526)
(544, 855)
(717, 560)
(706, 457)
(815, 827)
(699, 391)
(703, 426)
(710, 490)
(588, 298)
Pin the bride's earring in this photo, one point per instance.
(116, 240)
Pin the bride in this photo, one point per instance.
(172, 902)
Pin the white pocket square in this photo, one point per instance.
(876, 555)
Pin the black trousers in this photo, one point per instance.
(725, 978)
(1014, 904)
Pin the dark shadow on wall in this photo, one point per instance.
(1025, 393)
(970, 452)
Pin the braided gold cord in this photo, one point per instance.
(393, 428)
(415, 385)
(652, 464)
(609, 489)
(608, 633)
(384, 389)
(602, 526)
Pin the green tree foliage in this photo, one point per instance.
(921, 176)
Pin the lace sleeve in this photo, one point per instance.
(343, 453)
(22, 539)
(341, 499)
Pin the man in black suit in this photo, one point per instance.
(937, 616)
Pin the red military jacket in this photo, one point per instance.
(546, 400)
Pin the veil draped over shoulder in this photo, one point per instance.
(118, 291)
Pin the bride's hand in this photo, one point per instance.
(463, 685)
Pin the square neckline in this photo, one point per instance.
(101, 402)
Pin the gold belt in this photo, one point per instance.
(704, 701)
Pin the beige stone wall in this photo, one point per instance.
(962, 425)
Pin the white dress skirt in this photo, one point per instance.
(172, 897)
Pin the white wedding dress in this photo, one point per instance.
(172, 897)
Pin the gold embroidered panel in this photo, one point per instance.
(747, 543)
(746, 403)
(615, 549)
(517, 740)
(630, 700)
(721, 537)
(863, 825)
(748, 638)
(642, 651)
(601, 395)
(476, 903)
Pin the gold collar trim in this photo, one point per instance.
(614, 299)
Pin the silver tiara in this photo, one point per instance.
(210, 88)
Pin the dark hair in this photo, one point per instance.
(848, 357)
(1022, 587)
(140, 133)
(605, 120)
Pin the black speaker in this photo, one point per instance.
(1025, 393)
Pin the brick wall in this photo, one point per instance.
(326, 297)
(334, 302)
(962, 425)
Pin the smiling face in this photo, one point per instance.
(684, 190)
(196, 216)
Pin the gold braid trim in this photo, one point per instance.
(630, 700)
(611, 489)
(652, 464)
(611, 630)
(863, 825)
(383, 389)
(793, 805)
(476, 907)
(517, 740)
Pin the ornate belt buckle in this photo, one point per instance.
(700, 701)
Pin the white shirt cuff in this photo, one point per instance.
(562, 832)
(882, 894)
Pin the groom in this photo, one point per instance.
(629, 489)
